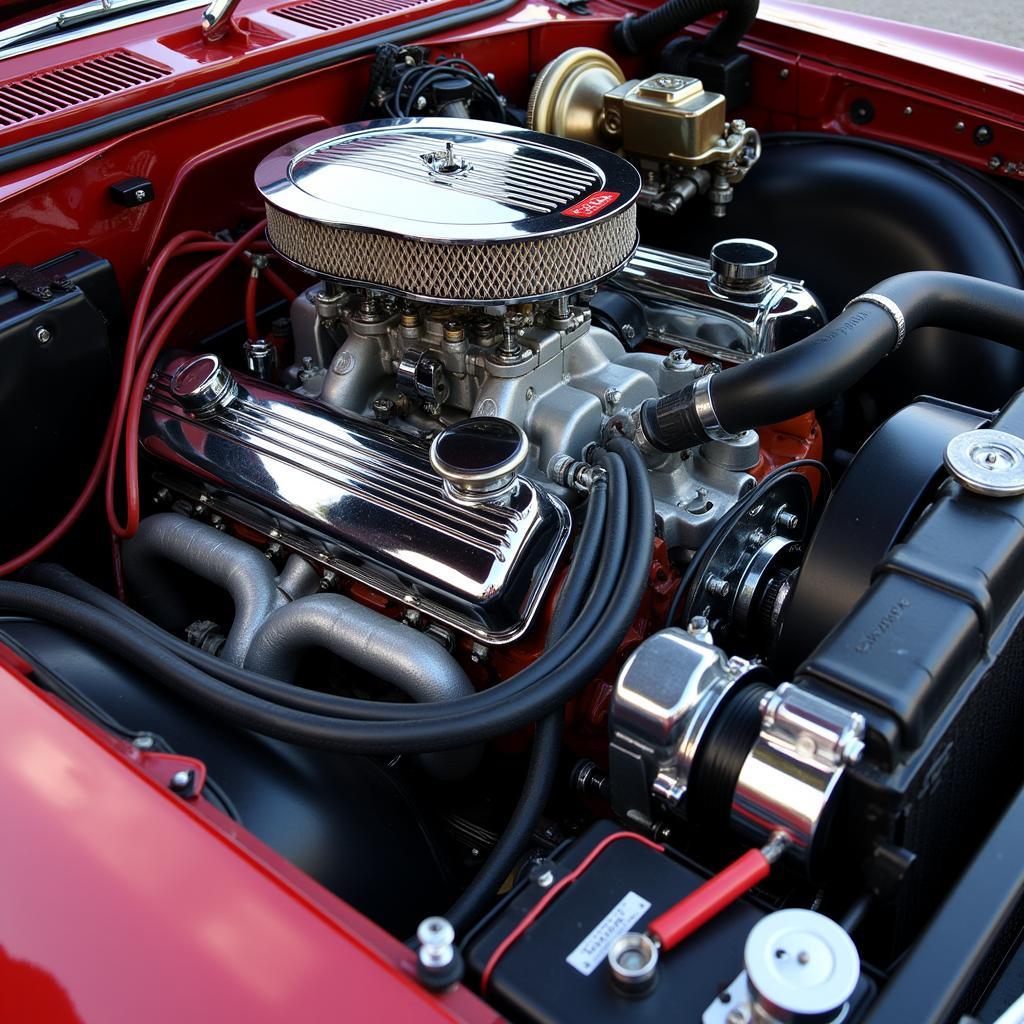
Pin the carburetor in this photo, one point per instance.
(475, 287)
(669, 126)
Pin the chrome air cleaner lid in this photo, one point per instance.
(451, 210)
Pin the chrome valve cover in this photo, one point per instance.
(363, 500)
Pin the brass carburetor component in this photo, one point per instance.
(668, 125)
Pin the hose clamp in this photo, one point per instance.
(884, 302)
(704, 409)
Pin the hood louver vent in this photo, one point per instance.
(328, 14)
(52, 91)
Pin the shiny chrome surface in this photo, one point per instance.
(216, 20)
(787, 782)
(83, 20)
(202, 385)
(450, 210)
(362, 499)
(444, 179)
(665, 696)
(479, 458)
(686, 307)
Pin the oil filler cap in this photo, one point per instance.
(801, 967)
(989, 462)
(203, 385)
(478, 459)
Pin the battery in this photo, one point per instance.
(557, 970)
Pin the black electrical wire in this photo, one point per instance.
(547, 739)
(927, 162)
(331, 705)
(413, 81)
(735, 514)
(502, 709)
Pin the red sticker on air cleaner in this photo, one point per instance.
(594, 203)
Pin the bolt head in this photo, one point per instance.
(144, 742)
(181, 779)
(436, 937)
(43, 335)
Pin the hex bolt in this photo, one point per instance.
(144, 742)
(789, 521)
(440, 965)
(717, 586)
(700, 629)
(43, 335)
(612, 397)
(181, 780)
(436, 937)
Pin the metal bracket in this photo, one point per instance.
(32, 283)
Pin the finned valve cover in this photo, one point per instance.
(449, 210)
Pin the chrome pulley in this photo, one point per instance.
(744, 575)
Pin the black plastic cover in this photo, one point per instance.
(57, 325)
(937, 600)
(533, 980)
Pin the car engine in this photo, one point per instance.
(525, 470)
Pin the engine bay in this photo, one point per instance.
(582, 531)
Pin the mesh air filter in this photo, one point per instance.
(450, 210)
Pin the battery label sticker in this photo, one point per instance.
(594, 203)
(619, 920)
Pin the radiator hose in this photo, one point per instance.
(638, 34)
(814, 371)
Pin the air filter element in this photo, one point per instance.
(452, 211)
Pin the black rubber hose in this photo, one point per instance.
(823, 365)
(611, 542)
(584, 563)
(639, 34)
(489, 714)
(547, 738)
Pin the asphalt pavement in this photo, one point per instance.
(1000, 21)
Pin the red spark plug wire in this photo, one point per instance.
(141, 331)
